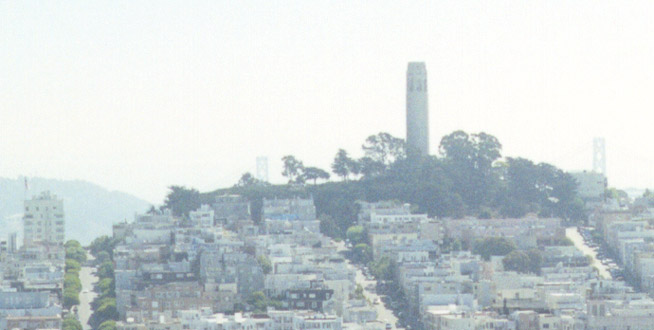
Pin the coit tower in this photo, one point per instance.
(417, 110)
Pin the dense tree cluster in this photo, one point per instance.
(467, 177)
(71, 323)
(259, 303)
(105, 313)
(181, 200)
(75, 256)
(296, 172)
(264, 262)
(384, 268)
(356, 235)
(493, 246)
(529, 261)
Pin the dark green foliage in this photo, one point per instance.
(535, 261)
(370, 168)
(493, 246)
(104, 305)
(247, 180)
(105, 312)
(337, 201)
(72, 284)
(423, 182)
(344, 166)
(384, 269)
(74, 250)
(516, 261)
(72, 281)
(72, 266)
(72, 243)
(358, 293)
(181, 200)
(362, 253)
(384, 148)
(107, 325)
(329, 226)
(102, 244)
(106, 288)
(292, 169)
(450, 245)
(77, 254)
(106, 270)
(71, 323)
(71, 297)
(265, 264)
(539, 188)
(102, 256)
(523, 262)
(314, 173)
(99, 301)
(468, 161)
(467, 179)
(356, 235)
(260, 303)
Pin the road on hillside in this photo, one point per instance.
(88, 279)
(573, 234)
(384, 313)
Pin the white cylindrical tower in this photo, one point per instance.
(417, 110)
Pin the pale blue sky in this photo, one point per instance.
(139, 95)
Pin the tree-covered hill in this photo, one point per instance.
(468, 177)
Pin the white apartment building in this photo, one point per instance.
(43, 221)
(397, 218)
(202, 217)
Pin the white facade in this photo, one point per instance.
(43, 221)
(397, 218)
(591, 184)
(273, 320)
(202, 217)
(417, 111)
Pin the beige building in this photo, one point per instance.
(43, 221)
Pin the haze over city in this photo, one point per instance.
(139, 96)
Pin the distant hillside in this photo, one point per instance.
(90, 210)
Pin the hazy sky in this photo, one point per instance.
(139, 95)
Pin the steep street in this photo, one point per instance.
(573, 234)
(384, 313)
(88, 279)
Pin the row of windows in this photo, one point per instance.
(27, 208)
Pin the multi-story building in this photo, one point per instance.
(289, 209)
(202, 217)
(592, 185)
(44, 220)
(229, 208)
(29, 310)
